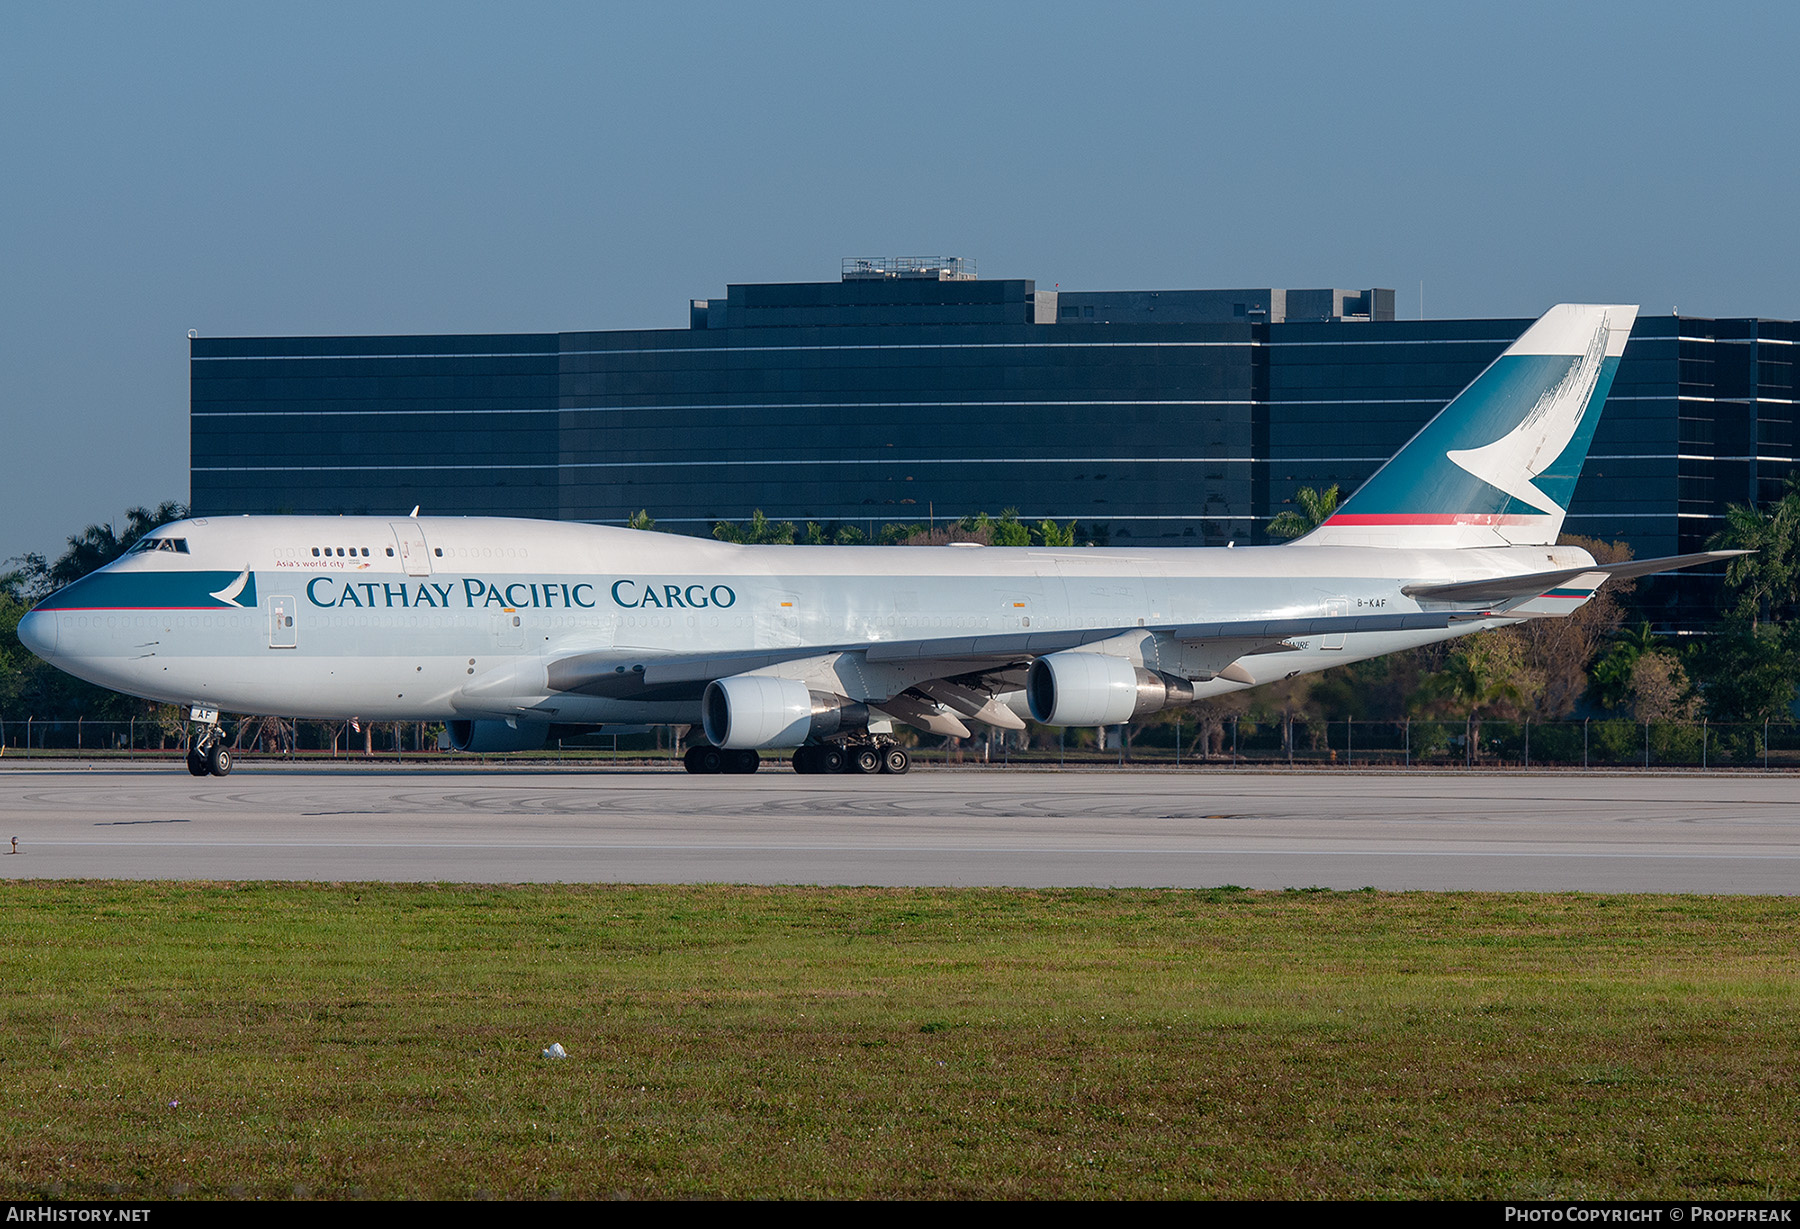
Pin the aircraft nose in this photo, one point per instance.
(37, 632)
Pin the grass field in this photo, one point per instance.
(330, 1040)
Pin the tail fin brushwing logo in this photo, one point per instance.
(1499, 464)
(1513, 462)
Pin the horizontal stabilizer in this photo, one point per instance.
(1536, 584)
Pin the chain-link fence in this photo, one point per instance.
(254, 738)
(1467, 743)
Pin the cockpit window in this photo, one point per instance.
(176, 545)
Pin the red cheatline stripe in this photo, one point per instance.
(1433, 518)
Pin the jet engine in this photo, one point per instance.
(488, 737)
(1094, 689)
(754, 710)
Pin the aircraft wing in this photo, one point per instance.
(1020, 646)
(1536, 584)
(650, 675)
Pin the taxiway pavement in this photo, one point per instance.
(1506, 831)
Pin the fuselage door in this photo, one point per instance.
(413, 552)
(778, 619)
(1104, 590)
(282, 632)
(509, 631)
(1335, 608)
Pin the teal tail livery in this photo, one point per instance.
(514, 632)
(1498, 466)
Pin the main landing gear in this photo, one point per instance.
(209, 756)
(858, 758)
(706, 758)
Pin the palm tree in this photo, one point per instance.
(759, 530)
(1764, 581)
(1487, 672)
(98, 545)
(26, 583)
(1612, 673)
(1008, 531)
(1315, 509)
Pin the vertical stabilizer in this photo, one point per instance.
(1498, 465)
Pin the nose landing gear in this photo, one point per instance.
(208, 755)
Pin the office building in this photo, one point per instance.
(912, 390)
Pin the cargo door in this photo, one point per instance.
(777, 619)
(1103, 591)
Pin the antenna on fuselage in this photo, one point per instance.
(414, 514)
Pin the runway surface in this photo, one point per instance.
(1514, 831)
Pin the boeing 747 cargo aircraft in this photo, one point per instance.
(510, 630)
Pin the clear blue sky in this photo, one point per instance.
(366, 168)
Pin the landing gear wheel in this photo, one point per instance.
(742, 761)
(196, 763)
(895, 760)
(865, 760)
(829, 759)
(703, 760)
(805, 760)
(218, 760)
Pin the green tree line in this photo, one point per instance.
(1603, 661)
(30, 686)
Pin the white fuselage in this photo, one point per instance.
(441, 618)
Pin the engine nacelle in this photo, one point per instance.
(491, 737)
(1094, 689)
(754, 711)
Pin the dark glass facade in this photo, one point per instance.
(1148, 417)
